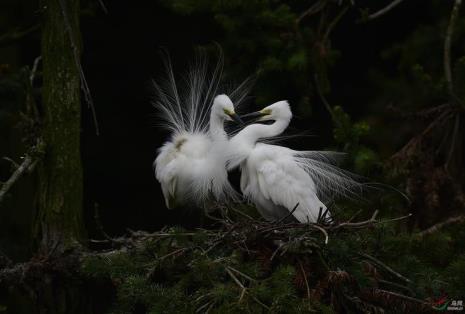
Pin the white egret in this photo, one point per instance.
(275, 178)
(191, 166)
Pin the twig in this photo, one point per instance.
(325, 101)
(27, 166)
(334, 23)
(242, 213)
(217, 241)
(389, 269)
(99, 223)
(14, 163)
(244, 289)
(439, 226)
(447, 46)
(401, 296)
(399, 286)
(241, 273)
(370, 221)
(35, 65)
(102, 5)
(288, 215)
(323, 231)
(276, 251)
(315, 8)
(181, 250)
(305, 278)
(355, 215)
(384, 10)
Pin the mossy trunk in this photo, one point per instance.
(59, 223)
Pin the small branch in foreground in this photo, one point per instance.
(315, 8)
(384, 10)
(35, 66)
(389, 269)
(288, 215)
(401, 296)
(439, 226)
(360, 224)
(27, 166)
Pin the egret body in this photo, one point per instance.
(275, 178)
(191, 165)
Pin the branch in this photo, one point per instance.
(366, 223)
(35, 65)
(439, 226)
(288, 215)
(401, 296)
(447, 46)
(244, 289)
(384, 10)
(334, 23)
(27, 166)
(360, 224)
(389, 269)
(102, 5)
(315, 8)
(325, 101)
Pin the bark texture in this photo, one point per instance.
(59, 218)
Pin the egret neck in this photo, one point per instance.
(252, 133)
(217, 127)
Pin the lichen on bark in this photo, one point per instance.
(59, 218)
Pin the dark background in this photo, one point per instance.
(121, 56)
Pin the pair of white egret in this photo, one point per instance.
(192, 167)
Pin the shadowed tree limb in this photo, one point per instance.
(384, 10)
(439, 226)
(387, 268)
(27, 166)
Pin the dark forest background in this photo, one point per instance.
(363, 84)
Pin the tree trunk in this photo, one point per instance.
(59, 222)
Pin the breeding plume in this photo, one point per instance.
(275, 178)
(191, 165)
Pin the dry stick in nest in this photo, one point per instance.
(305, 278)
(288, 215)
(244, 290)
(366, 223)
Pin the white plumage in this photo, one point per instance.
(275, 178)
(191, 166)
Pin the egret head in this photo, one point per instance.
(224, 109)
(277, 111)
